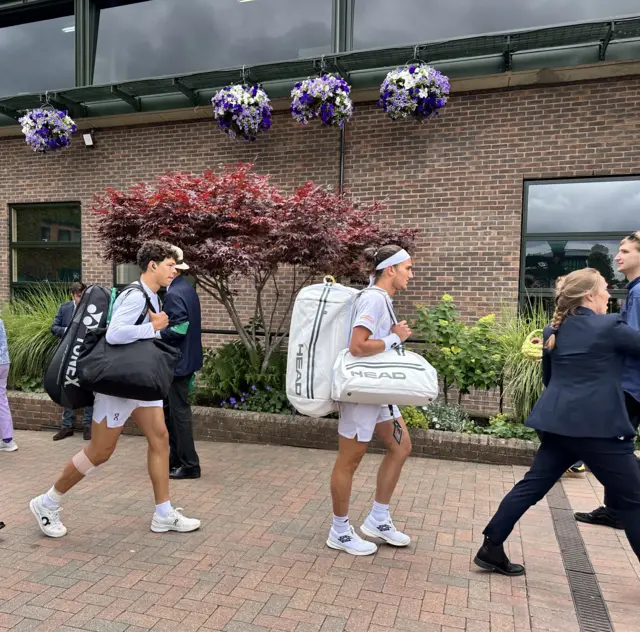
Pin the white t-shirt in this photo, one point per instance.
(126, 311)
(373, 311)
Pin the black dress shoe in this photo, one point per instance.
(86, 433)
(63, 433)
(491, 557)
(185, 472)
(1, 525)
(602, 515)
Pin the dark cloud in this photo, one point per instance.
(382, 23)
(173, 36)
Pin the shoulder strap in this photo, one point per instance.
(148, 307)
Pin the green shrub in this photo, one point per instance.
(28, 321)
(504, 427)
(414, 417)
(231, 370)
(522, 375)
(259, 400)
(447, 417)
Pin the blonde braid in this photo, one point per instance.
(559, 316)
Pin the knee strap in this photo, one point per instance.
(82, 463)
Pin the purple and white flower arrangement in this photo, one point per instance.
(47, 129)
(327, 98)
(242, 111)
(415, 91)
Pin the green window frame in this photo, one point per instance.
(545, 295)
(19, 248)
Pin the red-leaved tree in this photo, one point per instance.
(235, 225)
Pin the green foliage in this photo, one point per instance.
(522, 375)
(504, 427)
(414, 417)
(447, 417)
(232, 369)
(28, 321)
(259, 400)
(464, 356)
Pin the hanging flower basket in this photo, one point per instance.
(242, 111)
(327, 98)
(47, 129)
(415, 91)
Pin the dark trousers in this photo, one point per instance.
(177, 417)
(611, 461)
(633, 408)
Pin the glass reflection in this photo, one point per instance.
(545, 261)
(46, 264)
(383, 23)
(37, 56)
(587, 206)
(163, 37)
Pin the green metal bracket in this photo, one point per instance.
(9, 112)
(127, 98)
(188, 92)
(606, 41)
(76, 109)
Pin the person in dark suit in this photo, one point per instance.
(628, 261)
(182, 306)
(61, 321)
(581, 414)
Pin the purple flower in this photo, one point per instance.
(325, 98)
(268, 388)
(47, 129)
(232, 401)
(223, 402)
(253, 388)
(242, 111)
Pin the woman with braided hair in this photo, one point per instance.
(581, 414)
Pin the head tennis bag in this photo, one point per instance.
(318, 332)
(396, 376)
(61, 378)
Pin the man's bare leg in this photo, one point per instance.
(378, 523)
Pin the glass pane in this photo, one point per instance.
(127, 273)
(24, 49)
(583, 206)
(46, 264)
(380, 23)
(163, 37)
(545, 261)
(47, 223)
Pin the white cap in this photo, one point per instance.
(180, 264)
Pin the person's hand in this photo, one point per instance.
(402, 330)
(159, 320)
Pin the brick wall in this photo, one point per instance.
(34, 411)
(459, 178)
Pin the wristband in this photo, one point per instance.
(391, 341)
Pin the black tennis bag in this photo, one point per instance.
(140, 370)
(61, 376)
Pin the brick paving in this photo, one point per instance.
(259, 562)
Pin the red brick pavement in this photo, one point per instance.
(260, 563)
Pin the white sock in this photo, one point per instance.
(380, 512)
(340, 524)
(52, 499)
(164, 508)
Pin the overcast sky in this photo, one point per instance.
(593, 207)
(159, 37)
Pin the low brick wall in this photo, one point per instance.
(35, 411)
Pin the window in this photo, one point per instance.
(45, 243)
(37, 56)
(379, 23)
(126, 273)
(573, 224)
(163, 37)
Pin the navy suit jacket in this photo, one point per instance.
(63, 319)
(182, 306)
(583, 378)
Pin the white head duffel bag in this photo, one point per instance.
(396, 376)
(318, 332)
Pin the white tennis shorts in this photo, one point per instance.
(117, 410)
(360, 420)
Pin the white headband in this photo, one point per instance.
(393, 260)
(399, 257)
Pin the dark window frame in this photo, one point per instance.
(15, 245)
(525, 294)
